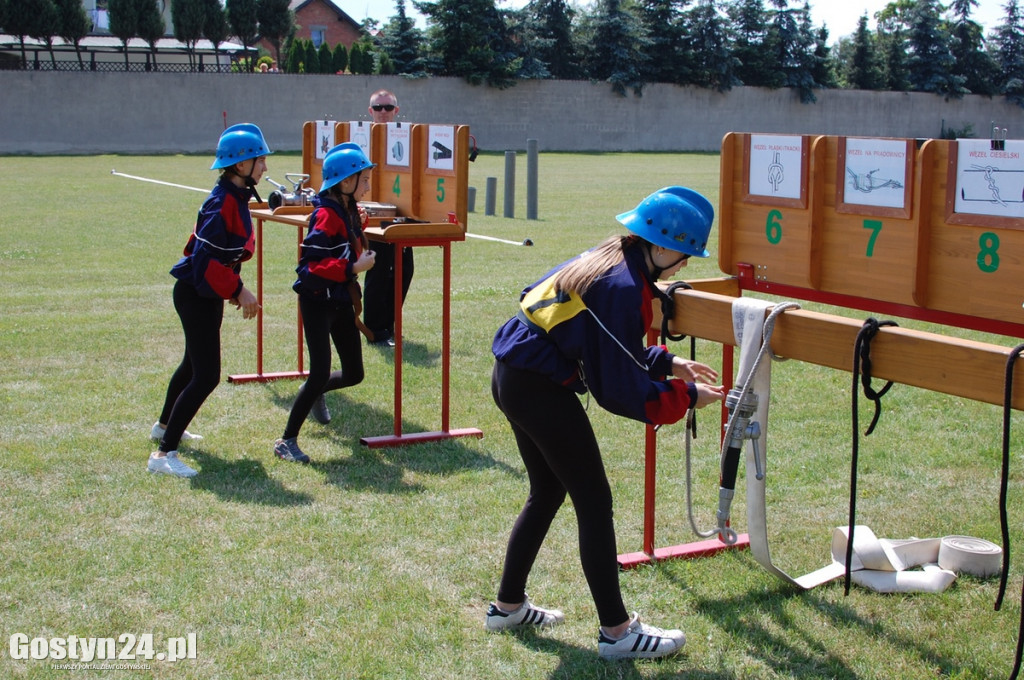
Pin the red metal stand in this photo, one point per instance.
(397, 438)
(299, 220)
(443, 237)
(696, 549)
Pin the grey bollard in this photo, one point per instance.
(510, 184)
(531, 179)
(471, 199)
(490, 195)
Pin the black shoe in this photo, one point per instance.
(319, 411)
(383, 338)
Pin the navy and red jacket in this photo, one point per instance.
(602, 349)
(331, 246)
(221, 241)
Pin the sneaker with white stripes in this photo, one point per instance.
(640, 642)
(169, 465)
(526, 615)
(157, 433)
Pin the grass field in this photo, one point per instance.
(380, 563)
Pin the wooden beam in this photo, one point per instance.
(963, 368)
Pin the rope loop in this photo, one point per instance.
(668, 310)
(862, 362)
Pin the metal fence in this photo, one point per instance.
(137, 62)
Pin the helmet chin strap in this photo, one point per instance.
(657, 271)
(351, 194)
(249, 181)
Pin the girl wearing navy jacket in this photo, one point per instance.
(581, 329)
(206, 276)
(334, 252)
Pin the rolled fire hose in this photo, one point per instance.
(880, 564)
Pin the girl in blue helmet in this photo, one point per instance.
(208, 274)
(334, 252)
(581, 329)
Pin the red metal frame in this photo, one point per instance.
(397, 438)
(259, 375)
(693, 550)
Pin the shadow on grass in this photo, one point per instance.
(415, 353)
(792, 645)
(380, 469)
(243, 480)
(583, 662)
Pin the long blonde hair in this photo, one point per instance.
(580, 274)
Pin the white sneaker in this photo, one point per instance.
(526, 615)
(157, 433)
(640, 642)
(169, 465)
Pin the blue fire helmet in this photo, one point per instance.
(239, 143)
(341, 162)
(676, 218)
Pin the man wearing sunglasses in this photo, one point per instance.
(379, 285)
(383, 106)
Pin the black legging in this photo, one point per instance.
(379, 287)
(558, 446)
(199, 371)
(323, 321)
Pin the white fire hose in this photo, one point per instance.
(879, 564)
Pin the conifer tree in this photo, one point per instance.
(244, 24)
(325, 55)
(616, 54)
(151, 25)
(469, 39)
(311, 58)
(339, 58)
(215, 26)
(554, 40)
(1009, 43)
(276, 23)
(402, 42)
(967, 45)
(710, 61)
(189, 20)
(74, 25)
(930, 63)
(124, 23)
(749, 22)
(862, 72)
(664, 50)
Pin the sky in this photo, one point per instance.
(840, 16)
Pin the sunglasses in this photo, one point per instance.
(383, 107)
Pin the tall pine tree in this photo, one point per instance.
(124, 23)
(403, 42)
(276, 23)
(616, 54)
(930, 64)
(967, 44)
(74, 25)
(244, 24)
(469, 39)
(151, 25)
(1009, 43)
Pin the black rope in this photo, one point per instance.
(1003, 522)
(668, 310)
(861, 365)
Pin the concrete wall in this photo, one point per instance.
(139, 113)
